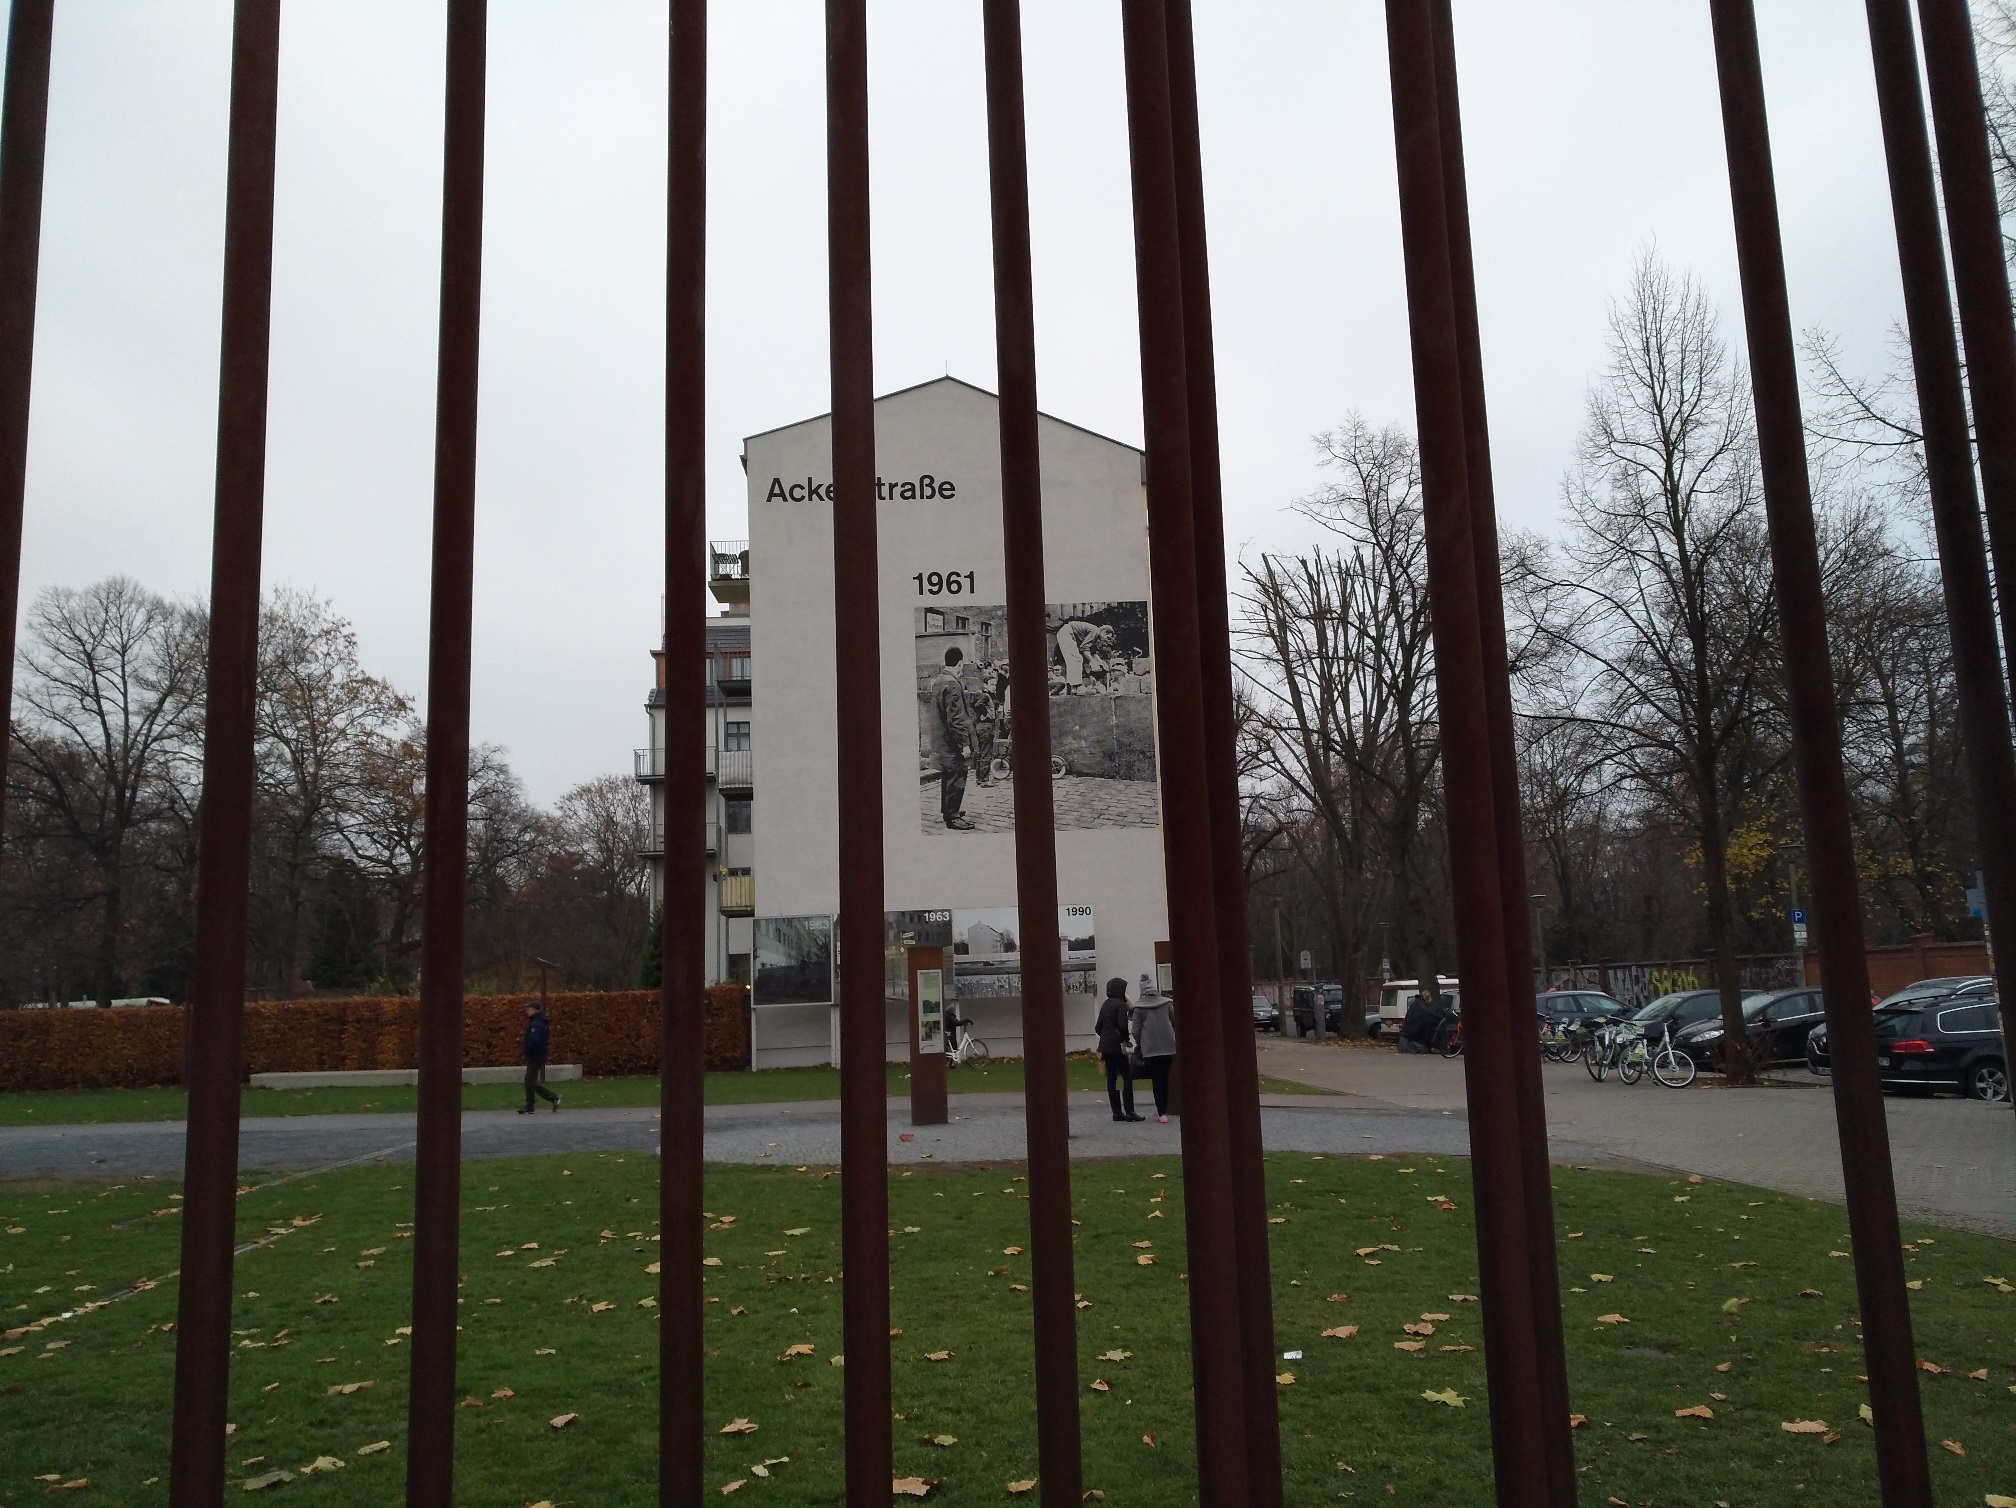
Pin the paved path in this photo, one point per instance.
(1955, 1159)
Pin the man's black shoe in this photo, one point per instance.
(1137, 1117)
(556, 1102)
(959, 824)
(526, 1111)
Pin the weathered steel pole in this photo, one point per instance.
(1216, 1357)
(215, 1021)
(1949, 469)
(1981, 280)
(1543, 1270)
(857, 652)
(1046, 1106)
(437, 1175)
(1230, 1002)
(1816, 748)
(24, 128)
(1491, 1042)
(682, 1043)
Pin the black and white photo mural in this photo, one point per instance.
(1099, 680)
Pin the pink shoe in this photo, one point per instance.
(1163, 1119)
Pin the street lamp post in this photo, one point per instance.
(1540, 937)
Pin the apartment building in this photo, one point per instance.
(730, 793)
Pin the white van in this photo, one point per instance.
(1395, 995)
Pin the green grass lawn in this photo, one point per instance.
(322, 1304)
(70, 1107)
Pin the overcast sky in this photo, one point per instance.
(1592, 133)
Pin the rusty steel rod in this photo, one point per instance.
(1046, 1107)
(1949, 470)
(864, 1157)
(1490, 1039)
(24, 130)
(1980, 275)
(1981, 283)
(1230, 1004)
(215, 1021)
(1216, 1357)
(1816, 746)
(1542, 1258)
(437, 1174)
(682, 1043)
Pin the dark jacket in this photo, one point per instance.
(537, 1028)
(953, 734)
(1112, 1024)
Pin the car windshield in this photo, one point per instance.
(1663, 1007)
(1895, 1025)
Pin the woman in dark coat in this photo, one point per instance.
(1112, 1030)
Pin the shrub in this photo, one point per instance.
(607, 1033)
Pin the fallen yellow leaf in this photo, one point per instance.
(911, 1487)
(1146, 1259)
(1114, 1355)
(1410, 1345)
(1285, 1379)
(1954, 1446)
(1804, 1426)
(801, 1349)
(373, 1448)
(734, 1486)
(943, 1440)
(1101, 1385)
(1340, 1332)
(735, 1426)
(1016, 1489)
(937, 1355)
(561, 1421)
(1447, 1396)
(1611, 1319)
(1698, 1411)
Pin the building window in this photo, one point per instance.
(712, 668)
(961, 622)
(739, 813)
(738, 667)
(737, 736)
(934, 621)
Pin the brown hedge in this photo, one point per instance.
(606, 1033)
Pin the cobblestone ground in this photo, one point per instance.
(1082, 801)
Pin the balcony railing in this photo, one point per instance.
(650, 763)
(653, 846)
(734, 768)
(738, 894)
(728, 571)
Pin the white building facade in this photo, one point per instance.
(948, 693)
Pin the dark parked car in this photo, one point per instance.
(1578, 1005)
(1304, 1007)
(1682, 1009)
(1266, 1015)
(1778, 1025)
(1946, 1041)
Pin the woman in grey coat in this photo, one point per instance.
(1152, 1022)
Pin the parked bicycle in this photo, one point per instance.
(1623, 1045)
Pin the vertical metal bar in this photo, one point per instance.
(1949, 471)
(1981, 281)
(1543, 1268)
(1816, 747)
(1491, 1042)
(24, 127)
(682, 1048)
(437, 1191)
(1215, 1319)
(216, 1015)
(1045, 1104)
(864, 1157)
(1231, 1001)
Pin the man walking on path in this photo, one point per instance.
(537, 1032)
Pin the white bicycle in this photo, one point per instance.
(963, 1047)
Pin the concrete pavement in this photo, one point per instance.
(1955, 1160)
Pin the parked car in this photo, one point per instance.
(1575, 1005)
(1682, 1009)
(1303, 1005)
(1946, 1041)
(1266, 1014)
(1395, 995)
(1925, 991)
(1777, 1024)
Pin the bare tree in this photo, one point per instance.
(109, 690)
(1340, 672)
(319, 718)
(1666, 604)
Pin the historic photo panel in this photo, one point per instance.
(1100, 684)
